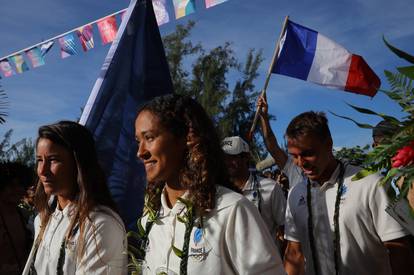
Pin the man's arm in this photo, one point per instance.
(269, 137)
(401, 256)
(294, 261)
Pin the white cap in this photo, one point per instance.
(234, 145)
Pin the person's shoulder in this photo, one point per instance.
(351, 171)
(227, 198)
(103, 215)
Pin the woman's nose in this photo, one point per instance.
(142, 152)
(43, 168)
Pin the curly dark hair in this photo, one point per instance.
(90, 187)
(309, 123)
(204, 167)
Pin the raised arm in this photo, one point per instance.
(269, 137)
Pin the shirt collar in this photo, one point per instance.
(68, 211)
(177, 208)
(331, 181)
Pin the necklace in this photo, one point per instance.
(188, 219)
(62, 254)
(340, 180)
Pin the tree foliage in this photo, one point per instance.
(231, 108)
(22, 151)
(355, 155)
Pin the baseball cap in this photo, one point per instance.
(234, 145)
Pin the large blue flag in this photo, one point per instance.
(134, 71)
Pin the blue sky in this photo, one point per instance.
(59, 89)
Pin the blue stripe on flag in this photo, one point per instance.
(134, 71)
(297, 53)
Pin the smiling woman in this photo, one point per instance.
(76, 212)
(192, 222)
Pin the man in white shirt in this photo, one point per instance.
(335, 225)
(264, 193)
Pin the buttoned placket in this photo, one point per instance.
(57, 218)
(323, 225)
(170, 216)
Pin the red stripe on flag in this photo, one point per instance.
(361, 78)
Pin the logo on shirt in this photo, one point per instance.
(198, 249)
(343, 191)
(301, 201)
(198, 235)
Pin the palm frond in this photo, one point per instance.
(399, 52)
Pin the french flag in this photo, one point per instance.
(310, 56)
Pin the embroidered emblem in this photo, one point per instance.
(301, 201)
(198, 234)
(344, 189)
(199, 249)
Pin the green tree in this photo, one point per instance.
(355, 155)
(22, 151)
(232, 109)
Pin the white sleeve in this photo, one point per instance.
(278, 205)
(291, 232)
(387, 228)
(105, 247)
(251, 248)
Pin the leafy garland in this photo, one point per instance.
(337, 244)
(62, 254)
(137, 248)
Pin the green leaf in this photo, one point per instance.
(141, 230)
(177, 251)
(132, 249)
(360, 125)
(135, 235)
(407, 71)
(399, 52)
(391, 174)
(181, 219)
(362, 174)
(134, 265)
(391, 119)
(187, 203)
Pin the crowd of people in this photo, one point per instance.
(206, 210)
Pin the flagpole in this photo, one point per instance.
(60, 35)
(269, 72)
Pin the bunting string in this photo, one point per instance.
(17, 62)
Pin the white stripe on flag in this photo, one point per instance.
(330, 65)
